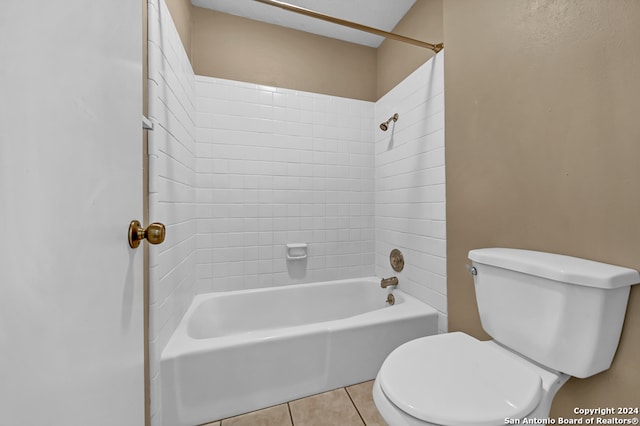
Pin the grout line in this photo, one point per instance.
(290, 415)
(355, 406)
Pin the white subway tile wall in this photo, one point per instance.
(172, 186)
(277, 166)
(410, 185)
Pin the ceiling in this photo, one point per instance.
(380, 14)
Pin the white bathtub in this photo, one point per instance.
(240, 351)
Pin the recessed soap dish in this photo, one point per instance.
(296, 251)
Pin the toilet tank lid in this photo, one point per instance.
(557, 267)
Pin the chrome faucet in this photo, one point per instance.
(386, 282)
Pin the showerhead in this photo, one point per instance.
(385, 125)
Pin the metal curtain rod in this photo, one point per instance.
(308, 12)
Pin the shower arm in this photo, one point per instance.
(308, 12)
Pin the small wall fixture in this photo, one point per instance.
(397, 260)
(385, 125)
(296, 251)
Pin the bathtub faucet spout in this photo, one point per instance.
(386, 282)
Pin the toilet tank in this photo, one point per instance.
(563, 312)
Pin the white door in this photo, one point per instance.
(71, 305)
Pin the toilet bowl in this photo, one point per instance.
(551, 317)
(465, 382)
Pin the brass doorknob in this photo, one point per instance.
(154, 233)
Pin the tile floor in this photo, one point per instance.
(350, 406)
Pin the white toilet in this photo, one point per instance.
(551, 317)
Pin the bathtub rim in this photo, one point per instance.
(181, 344)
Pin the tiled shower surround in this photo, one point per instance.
(238, 170)
(410, 185)
(278, 166)
(172, 187)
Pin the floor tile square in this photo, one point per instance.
(362, 396)
(325, 409)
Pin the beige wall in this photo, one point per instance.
(226, 46)
(181, 11)
(542, 147)
(235, 48)
(396, 60)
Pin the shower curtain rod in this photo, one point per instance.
(308, 12)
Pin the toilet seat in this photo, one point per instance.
(454, 379)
